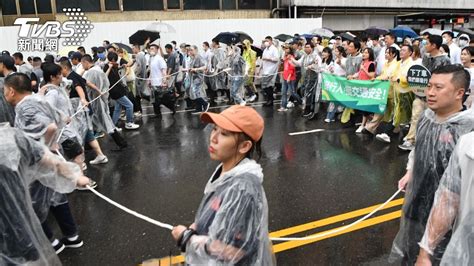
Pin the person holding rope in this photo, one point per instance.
(231, 225)
(437, 133)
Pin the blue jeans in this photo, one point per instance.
(288, 87)
(125, 102)
(234, 90)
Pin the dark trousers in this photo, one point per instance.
(62, 214)
(165, 98)
(200, 104)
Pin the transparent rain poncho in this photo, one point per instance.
(33, 116)
(232, 220)
(453, 208)
(101, 120)
(7, 113)
(22, 161)
(435, 142)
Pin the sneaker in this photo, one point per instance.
(131, 125)
(100, 159)
(359, 129)
(383, 137)
(243, 103)
(252, 98)
(282, 109)
(92, 184)
(290, 105)
(327, 120)
(406, 146)
(118, 129)
(77, 243)
(137, 114)
(59, 247)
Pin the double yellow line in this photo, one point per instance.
(311, 226)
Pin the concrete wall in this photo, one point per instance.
(172, 15)
(438, 4)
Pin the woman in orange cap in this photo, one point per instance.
(231, 225)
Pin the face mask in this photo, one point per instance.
(462, 43)
(423, 42)
(267, 44)
(445, 41)
(101, 55)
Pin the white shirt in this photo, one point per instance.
(157, 65)
(270, 67)
(455, 54)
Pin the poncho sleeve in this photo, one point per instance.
(446, 205)
(234, 233)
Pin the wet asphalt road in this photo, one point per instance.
(307, 178)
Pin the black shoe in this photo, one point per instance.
(308, 114)
(59, 247)
(72, 244)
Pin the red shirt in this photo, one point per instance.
(289, 71)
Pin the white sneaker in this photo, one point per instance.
(243, 103)
(282, 109)
(383, 137)
(252, 98)
(290, 105)
(137, 114)
(100, 159)
(359, 130)
(118, 129)
(327, 120)
(131, 126)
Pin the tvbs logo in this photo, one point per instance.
(51, 29)
(35, 37)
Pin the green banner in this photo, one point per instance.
(366, 95)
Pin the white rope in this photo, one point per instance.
(170, 227)
(335, 231)
(134, 213)
(215, 74)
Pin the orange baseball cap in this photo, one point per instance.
(238, 118)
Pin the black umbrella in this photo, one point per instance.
(124, 47)
(227, 38)
(347, 36)
(377, 31)
(243, 36)
(283, 37)
(141, 36)
(258, 50)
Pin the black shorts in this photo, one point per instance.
(71, 149)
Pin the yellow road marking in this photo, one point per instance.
(333, 219)
(312, 225)
(369, 222)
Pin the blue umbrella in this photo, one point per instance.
(402, 31)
